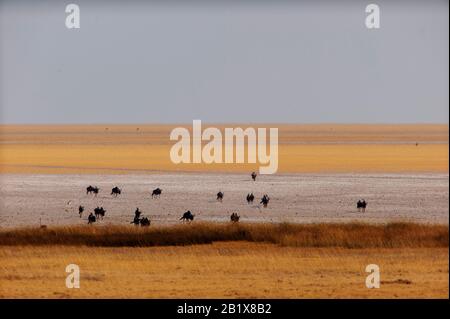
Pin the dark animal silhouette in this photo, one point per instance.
(254, 176)
(187, 216)
(116, 191)
(99, 212)
(80, 210)
(265, 200)
(234, 217)
(137, 212)
(136, 221)
(156, 192)
(92, 189)
(250, 198)
(91, 218)
(145, 222)
(361, 205)
(137, 215)
(219, 196)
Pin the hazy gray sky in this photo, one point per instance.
(223, 62)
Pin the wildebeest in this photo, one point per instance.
(145, 222)
(234, 217)
(156, 192)
(136, 221)
(265, 200)
(250, 198)
(116, 191)
(254, 176)
(361, 205)
(91, 218)
(80, 210)
(187, 216)
(92, 189)
(137, 215)
(219, 196)
(99, 211)
(137, 212)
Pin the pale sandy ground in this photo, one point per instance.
(25, 198)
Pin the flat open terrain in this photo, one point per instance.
(222, 270)
(401, 170)
(303, 198)
(332, 148)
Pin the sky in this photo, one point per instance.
(224, 61)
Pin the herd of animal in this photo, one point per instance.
(99, 212)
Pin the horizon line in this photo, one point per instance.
(222, 123)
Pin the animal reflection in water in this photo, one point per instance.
(187, 216)
(361, 205)
(137, 220)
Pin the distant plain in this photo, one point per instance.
(402, 170)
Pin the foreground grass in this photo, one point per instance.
(222, 270)
(350, 235)
(233, 261)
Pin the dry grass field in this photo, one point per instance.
(234, 261)
(344, 235)
(222, 270)
(145, 148)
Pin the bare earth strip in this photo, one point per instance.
(222, 270)
(294, 198)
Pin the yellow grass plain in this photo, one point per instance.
(145, 149)
(234, 261)
(222, 270)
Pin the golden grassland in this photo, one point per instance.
(145, 148)
(222, 270)
(211, 260)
